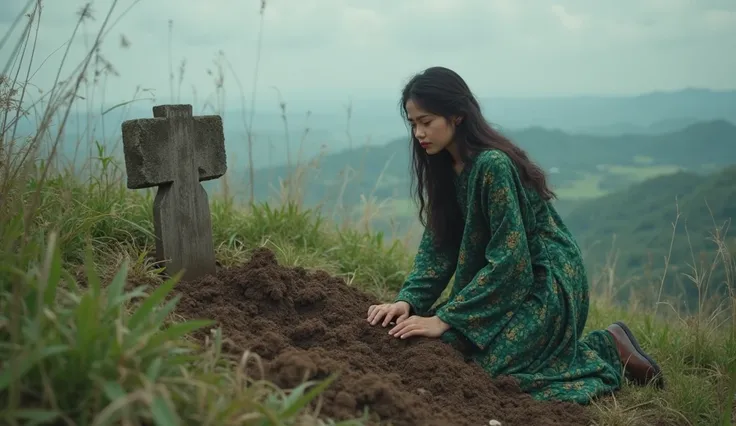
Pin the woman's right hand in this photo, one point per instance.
(388, 311)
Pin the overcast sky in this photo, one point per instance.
(347, 48)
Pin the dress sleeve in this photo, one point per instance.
(485, 305)
(430, 274)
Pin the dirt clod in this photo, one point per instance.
(307, 325)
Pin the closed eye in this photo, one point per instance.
(426, 122)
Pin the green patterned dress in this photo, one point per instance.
(519, 301)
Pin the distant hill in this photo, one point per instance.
(662, 126)
(623, 114)
(595, 164)
(702, 142)
(641, 219)
(378, 121)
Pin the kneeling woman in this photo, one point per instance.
(520, 297)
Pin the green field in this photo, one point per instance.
(586, 188)
(590, 185)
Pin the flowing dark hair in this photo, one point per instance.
(442, 92)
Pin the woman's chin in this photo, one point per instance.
(431, 150)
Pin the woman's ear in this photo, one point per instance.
(458, 120)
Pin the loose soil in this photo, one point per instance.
(307, 325)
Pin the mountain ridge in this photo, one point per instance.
(710, 144)
(379, 120)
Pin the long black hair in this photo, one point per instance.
(442, 92)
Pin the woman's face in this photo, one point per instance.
(434, 133)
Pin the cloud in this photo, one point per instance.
(719, 20)
(335, 49)
(569, 21)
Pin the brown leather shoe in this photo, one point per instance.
(639, 366)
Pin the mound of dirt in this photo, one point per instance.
(307, 325)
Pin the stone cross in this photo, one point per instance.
(175, 152)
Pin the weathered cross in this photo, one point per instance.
(176, 151)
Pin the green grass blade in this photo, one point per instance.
(163, 415)
(165, 310)
(116, 287)
(93, 278)
(146, 308)
(54, 273)
(21, 365)
(296, 401)
(177, 331)
(32, 417)
(113, 390)
(154, 369)
(87, 322)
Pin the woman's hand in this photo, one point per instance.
(419, 326)
(388, 311)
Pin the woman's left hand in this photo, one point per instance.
(419, 326)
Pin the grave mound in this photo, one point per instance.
(307, 325)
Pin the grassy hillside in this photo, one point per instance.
(68, 356)
(670, 219)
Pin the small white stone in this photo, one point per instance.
(494, 423)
